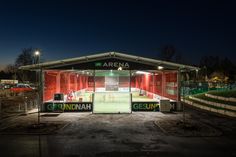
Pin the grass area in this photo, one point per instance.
(202, 96)
(227, 94)
(211, 106)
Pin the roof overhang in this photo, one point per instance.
(108, 55)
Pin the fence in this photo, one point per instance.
(191, 88)
(14, 104)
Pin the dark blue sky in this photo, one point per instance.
(73, 28)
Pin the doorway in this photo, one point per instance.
(112, 91)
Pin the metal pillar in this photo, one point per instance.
(58, 82)
(153, 83)
(162, 84)
(93, 80)
(40, 91)
(179, 104)
(130, 81)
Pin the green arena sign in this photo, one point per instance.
(98, 64)
(68, 107)
(145, 106)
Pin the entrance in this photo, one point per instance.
(112, 92)
(112, 83)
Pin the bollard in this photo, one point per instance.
(31, 104)
(26, 108)
(25, 103)
(19, 107)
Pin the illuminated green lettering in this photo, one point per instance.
(135, 106)
(67, 107)
(73, 106)
(50, 107)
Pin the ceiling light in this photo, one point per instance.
(160, 67)
(120, 68)
(142, 72)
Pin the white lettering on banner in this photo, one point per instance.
(116, 64)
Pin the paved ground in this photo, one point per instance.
(119, 135)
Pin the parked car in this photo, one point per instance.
(21, 88)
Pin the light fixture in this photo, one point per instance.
(36, 53)
(142, 72)
(160, 67)
(120, 68)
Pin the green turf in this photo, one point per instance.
(112, 102)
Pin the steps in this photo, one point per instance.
(204, 102)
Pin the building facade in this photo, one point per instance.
(109, 82)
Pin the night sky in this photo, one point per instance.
(73, 28)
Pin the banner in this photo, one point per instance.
(108, 64)
(145, 106)
(68, 107)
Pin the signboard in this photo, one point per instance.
(9, 81)
(111, 63)
(145, 106)
(68, 107)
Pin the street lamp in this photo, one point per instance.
(37, 53)
(37, 61)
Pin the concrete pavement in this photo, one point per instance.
(120, 135)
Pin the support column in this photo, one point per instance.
(179, 105)
(75, 82)
(58, 82)
(130, 81)
(41, 89)
(153, 83)
(94, 80)
(162, 83)
(68, 81)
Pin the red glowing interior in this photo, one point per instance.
(56, 81)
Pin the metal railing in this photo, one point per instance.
(12, 104)
(191, 88)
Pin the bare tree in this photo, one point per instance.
(167, 52)
(25, 58)
(11, 71)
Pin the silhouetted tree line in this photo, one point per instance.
(214, 66)
(26, 57)
(210, 65)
